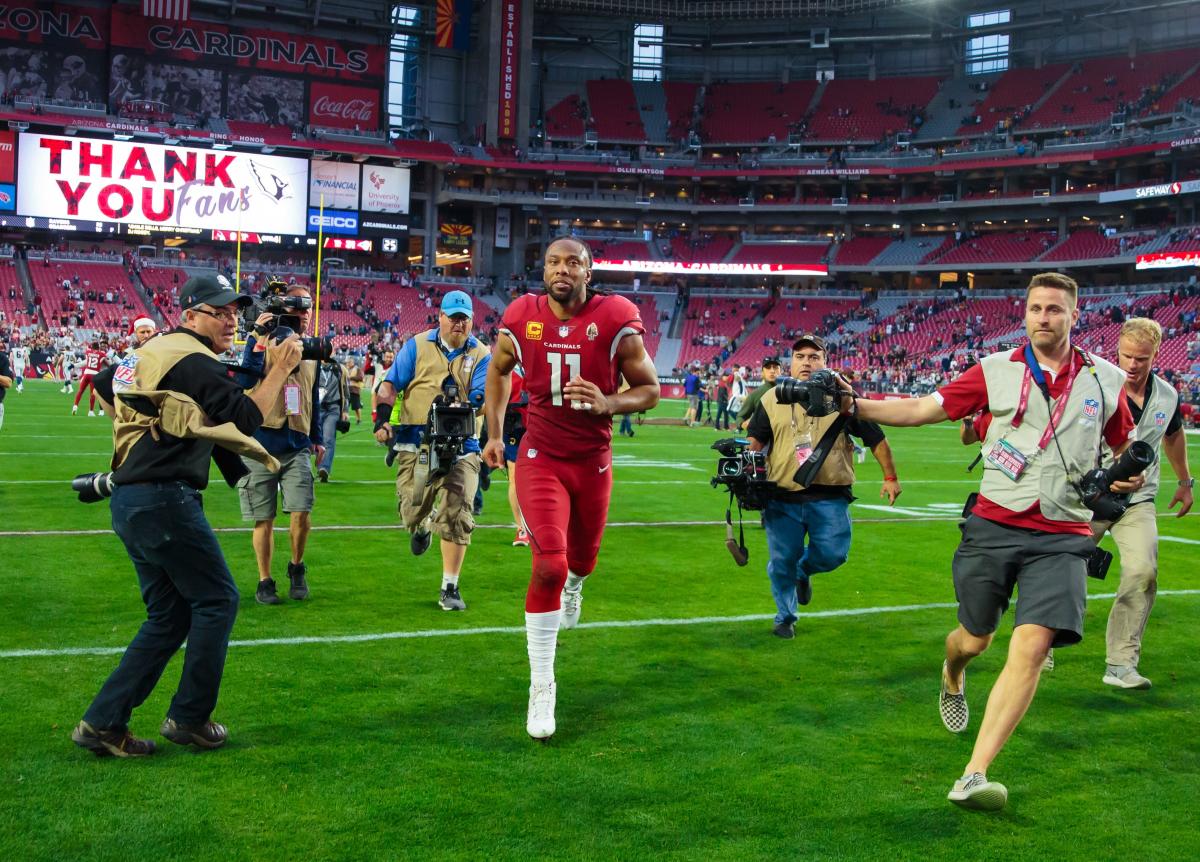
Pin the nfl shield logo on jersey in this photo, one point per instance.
(1091, 407)
(564, 331)
(593, 331)
(1160, 419)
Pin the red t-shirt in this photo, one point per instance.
(552, 351)
(968, 395)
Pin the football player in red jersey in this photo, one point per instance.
(94, 361)
(575, 345)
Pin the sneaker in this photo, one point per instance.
(322, 474)
(539, 722)
(74, 409)
(804, 590)
(451, 599)
(477, 509)
(974, 791)
(299, 588)
(111, 743)
(1048, 664)
(264, 594)
(787, 630)
(419, 542)
(1124, 676)
(953, 707)
(572, 605)
(521, 540)
(207, 735)
(91, 414)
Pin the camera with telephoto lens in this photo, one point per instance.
(93, 487)
(285, 311)
(817, 396)
(1093, 487)
(743, 472)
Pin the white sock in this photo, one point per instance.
(574, 582)
(447, 580)
(541, 637)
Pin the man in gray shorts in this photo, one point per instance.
(291, 431)
(1052, 408)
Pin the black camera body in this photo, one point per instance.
(743, 472)
(285, 311)
(1093, 487)
(817, 396)
(343, 426)
(93, 487)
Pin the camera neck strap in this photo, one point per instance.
(807, 472)
(1034, 373)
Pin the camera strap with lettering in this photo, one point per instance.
(807, 472)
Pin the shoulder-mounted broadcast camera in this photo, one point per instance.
(450, 424)
(744, 473)
(285, 311)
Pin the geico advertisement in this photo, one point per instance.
(124, 181)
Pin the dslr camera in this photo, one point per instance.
(285, 311)
(817, 396)
(93, 487)
(743, 472)
(1093, 487)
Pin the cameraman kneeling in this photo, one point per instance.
(818, 509)
(175, 400)
(428, 366)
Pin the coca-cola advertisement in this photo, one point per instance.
(338, 107)
(265, 99)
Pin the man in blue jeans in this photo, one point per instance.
(820, 509)
(333, 394)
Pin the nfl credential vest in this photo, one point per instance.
(1079, 433)
(304, 377)
(431, 369)
(788, 421)
(1161, 402)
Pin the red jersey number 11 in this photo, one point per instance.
(557, 360)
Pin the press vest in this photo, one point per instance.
(1160, 405)
(430, 370)
(177, 414)
(789, 421)
(304, 376)
(1079, 433)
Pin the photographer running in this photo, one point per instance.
(812, 502)
(163, 443)
(334, 397)
(291, 431)
(1154, 404)
(1053, 408)
(428, 367)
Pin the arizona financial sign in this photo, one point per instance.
(136, 183)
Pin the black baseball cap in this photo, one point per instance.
(810, 339)
(214, 290)
(771, 360)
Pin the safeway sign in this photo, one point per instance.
(135, 183)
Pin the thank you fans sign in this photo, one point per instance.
(135, 183)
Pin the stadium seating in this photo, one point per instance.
(681, 99)
(861, 250)
(617, 250)
(754, 112)
(1008, 247)
(726, 317)
(1084, 245)
(780, 252)
(566, 120)
(15, 313)
(99, 277)
(1013, 96)
(708, 248)
(615, 111)
(788, 315)
(914, 251)
(855, 109)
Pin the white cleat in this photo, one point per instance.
(572, 606)
(74, 409)
(91, 414)
(540, 721)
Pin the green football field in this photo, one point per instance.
(368, 724)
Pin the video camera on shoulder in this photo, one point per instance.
(817, 396)
(285, 311)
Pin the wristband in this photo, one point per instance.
(890, 479)
(1187, 483)
(383, 415)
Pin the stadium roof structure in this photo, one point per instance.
(703, 10)
(374, 15)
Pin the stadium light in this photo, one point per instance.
(220, 146)
(120, 136)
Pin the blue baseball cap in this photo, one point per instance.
(457, 302)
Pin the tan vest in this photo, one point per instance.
(304, 376)
(430, 370)
(1161, 402)
(789, 421)
(1079, 434)
(178, 414)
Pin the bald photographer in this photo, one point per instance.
(810, 462)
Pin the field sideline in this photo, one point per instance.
(367, 724)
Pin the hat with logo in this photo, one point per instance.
(214, 290)
(457, 302)
(812, 340)
(771, 361)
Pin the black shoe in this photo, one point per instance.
(322, 474)
(419, 542)
(299, 588)
(804, 591)
(485, 479)
(477, 509)
(787, 630)
(265, 593)
(207, 735)
(111, 743)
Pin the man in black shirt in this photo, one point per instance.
(173, 401)
(6, 380)
(816, 506)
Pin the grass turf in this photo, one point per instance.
(679, 741)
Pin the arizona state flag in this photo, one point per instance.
(453, 24)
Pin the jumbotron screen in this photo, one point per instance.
(129, 182)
